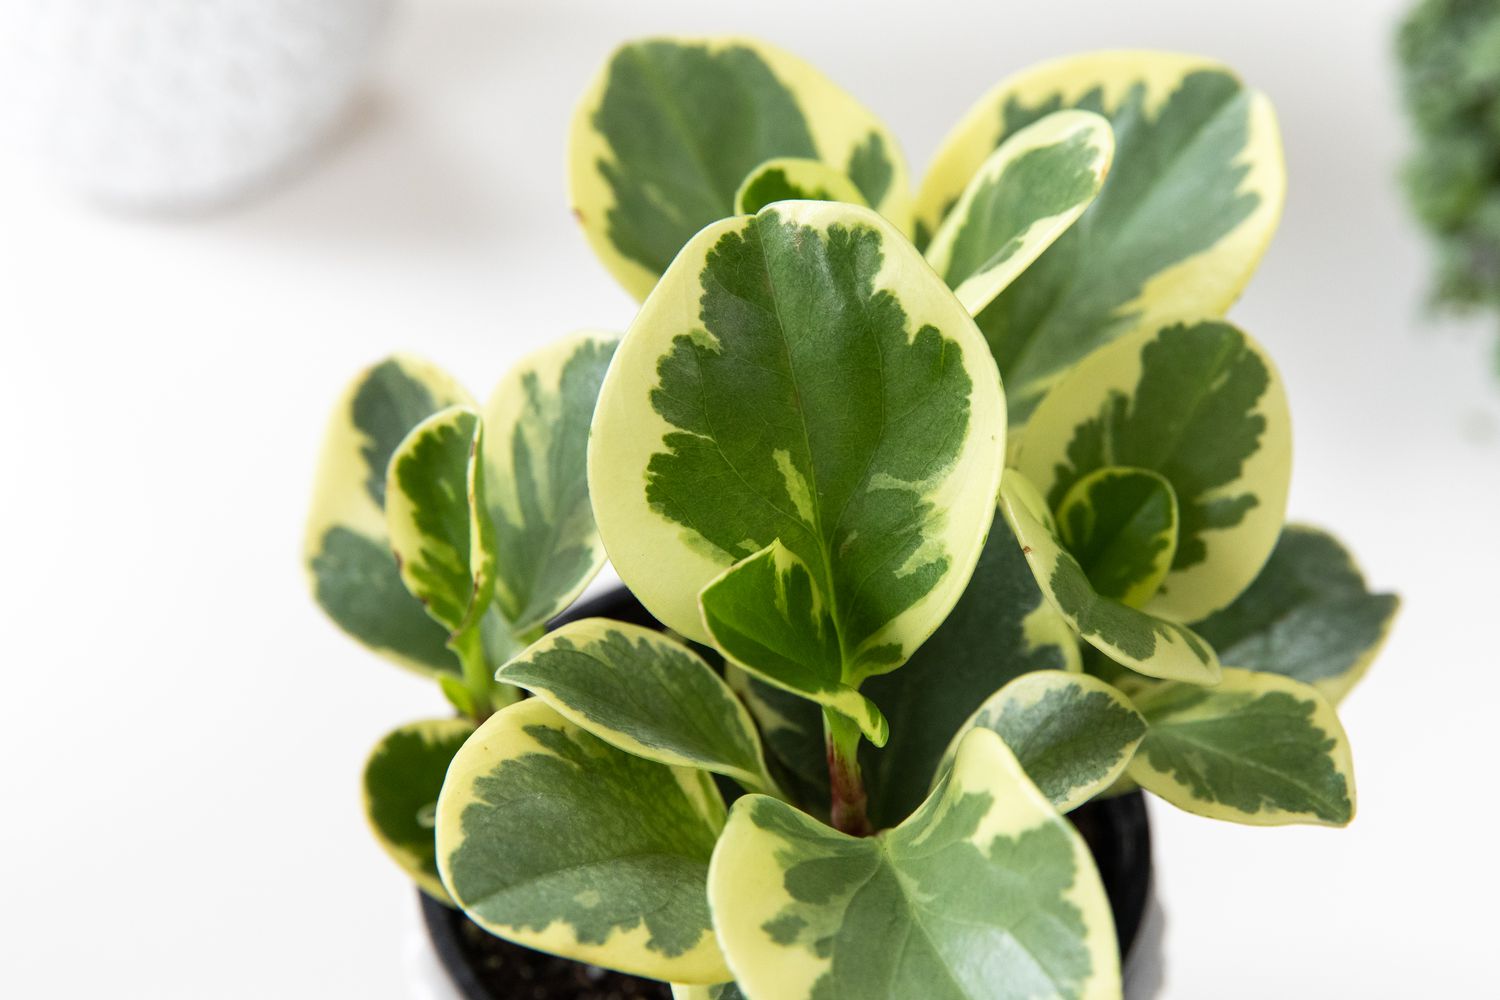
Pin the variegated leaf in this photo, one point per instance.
(1024, 196)
(437, 518)
(793, 730)
(549, 837)
(1073, 734)
(1258, 748)
(349, 562)
(1192, 199)
(801, 376)
(1000, 629)
(1121, 526)
(984, 892)
(401, 783)
(1203, 407)
(671, 128)
(788, 178)
(644, 693)
(1308, 616)
(536, 448)
(1129, 636)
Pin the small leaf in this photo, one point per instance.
(536, 432)
(438, 522)
(1031, 189)
(642, 693)
(1201, 406)
(353, 574)
(790, 179)
(1130, 637)
(1258, 749)
(1307, 616)
(1073, 734)
(984, 885)
(551, 838)
(401, 784)
(1121, 526)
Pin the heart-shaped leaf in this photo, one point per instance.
(353, 574)
(549, 837)
(671, 128)
(401, 783)
(985, 892)
(788, 178)
(1121, 526)
(1192, 199)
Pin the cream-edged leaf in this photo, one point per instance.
(438, 520)
(802, 376)
(1258, 748)
(1073, 734)
(536, 428)
(1121, 525)
(788, 178)
(1191, 202)
(670, 129)
(1203, 407)
(1308, 615)
(985, 892)
(350, 567)
(1031, 189)
(549, 837)
(401, 783)
(643, 693)
(1131, 637)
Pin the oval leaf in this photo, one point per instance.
(801, 376)
(349, 561)
(1130, 637)
(437, 518)
(985, 891)
(1073, 734)
(1258, 749)
(671, 127)
(536, 473)
(643, 693)
(1307, 616)
(551, 838)
(1026, 194)
(1193, 197)
(1203, 407)
(791, 179)
(401, 783)
(1121, 526)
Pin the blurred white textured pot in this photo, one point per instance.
(178, 104)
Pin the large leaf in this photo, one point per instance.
(788, 178)
(1026, 195)
(536, 450)
(438, 520)
(1001, 628)
(1190, 205)
(401, 783)
(349, 562)
(801, 376)
(671, 128)
(644, 693)
(1307, 616)
(1072, 733)
(1258, 748)
(985, 892)
(552, 838)
(1146, 643)
(1203, 407)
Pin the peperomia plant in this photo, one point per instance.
(444, 537)
(911, 618)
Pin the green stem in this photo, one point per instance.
(846, 784)
(477, 675)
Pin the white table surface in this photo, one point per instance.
(180, 730)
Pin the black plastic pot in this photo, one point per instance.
(484, 967)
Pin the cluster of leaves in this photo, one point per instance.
(1450, 59)
(912, 617)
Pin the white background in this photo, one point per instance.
(181, 732)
